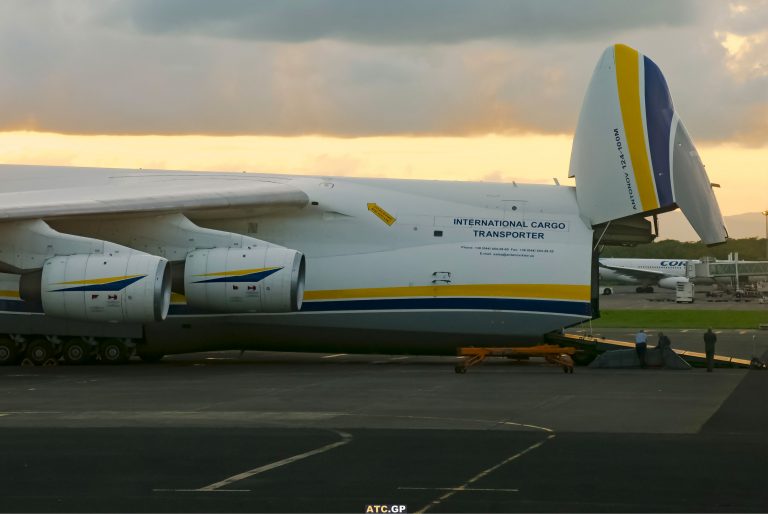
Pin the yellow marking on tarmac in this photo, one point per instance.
(718, 358)
(105, 280)
(628, 83)
(544, 291)
(381, 213)
(615, 342)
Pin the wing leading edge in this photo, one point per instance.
(138, 192)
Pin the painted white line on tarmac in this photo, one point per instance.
(33, 412)
(399, 358)
(482, 474)
(198, 490)
(458, 489)
(333, 356)
(345, 438)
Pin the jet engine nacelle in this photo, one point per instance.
(263, 279)
(96, 287)
(671, 282)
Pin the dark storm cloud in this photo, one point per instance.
(362, 68)
(397, 22)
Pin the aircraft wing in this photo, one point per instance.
(133, 192)
(639, 274)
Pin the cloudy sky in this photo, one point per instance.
(460, 90)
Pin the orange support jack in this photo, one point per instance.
(560, 356)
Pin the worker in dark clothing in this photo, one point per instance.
(641, 344)
(664, 341)
(709, 348)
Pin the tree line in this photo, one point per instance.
(749, 249)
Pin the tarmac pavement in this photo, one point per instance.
(275, 432)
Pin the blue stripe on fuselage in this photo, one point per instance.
(18, 306)
(393, 304)
(495, 304)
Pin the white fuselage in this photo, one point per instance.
(658, 269)
(462, 262)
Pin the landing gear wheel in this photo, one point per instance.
(39, 351)
(113, 351)
(76, 351)
(151, 357)
(607, 291)
(639, 289)
(9, 352)
(460, 369)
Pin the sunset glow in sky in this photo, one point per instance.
(487, 90)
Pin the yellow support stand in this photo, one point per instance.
(557, 355)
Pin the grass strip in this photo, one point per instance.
(680, 319)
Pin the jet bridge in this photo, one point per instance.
(728, 269)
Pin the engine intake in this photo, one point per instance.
(264, 279)
(671, 282)
(95, 287)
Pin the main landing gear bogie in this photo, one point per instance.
(114, 351)
(9, 351)
(40, 351)
(52, 350)
(76, 351)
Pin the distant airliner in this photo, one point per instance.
(665, 273)
(111, 261)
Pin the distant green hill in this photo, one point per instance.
(750, 249)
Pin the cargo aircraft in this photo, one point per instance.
(116, 261)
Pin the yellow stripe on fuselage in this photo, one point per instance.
(9, 293)
(545, 291)
(236, 273)
(91, 281)
(628, 82)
